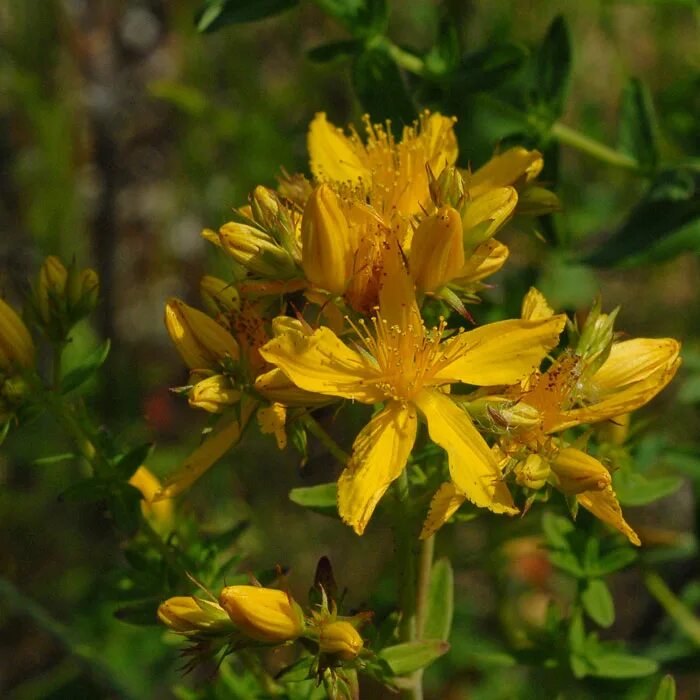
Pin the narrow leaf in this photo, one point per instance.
(598, 602)
(334, 49)
(638, 129)
(553, 71)
(666, 689)
(78, 376)
(618, 665)
(409, 657)
(132, 460)
(321, 499)
(214, 14)
(440, 607)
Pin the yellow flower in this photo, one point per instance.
(340, 638)
(512, 167)
(403, 366)
(148, 484)
(193, 616)
(16, 346)
(264, 614)
(393, 175)
(201, 341)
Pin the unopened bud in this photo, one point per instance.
(500, 414)
(437, 250)
(532, 472)
(193, 616)
(484, 216)
(340, 638)
(256, 250)
(219, 296)
(161, 512)
(447, 188)
(16, 345)
(327, 245)
(577, 471)
(82, 292)
(596, 335)
(201, 341)
(264, 614)
(51, 288)
(536, 201)
(214, 394)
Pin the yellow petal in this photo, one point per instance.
(535, 306)
(516, 164)
(201, 341)
(485, 260)
(444, 504)
(576, 471)
(16, 346)
(484, 215)
(271, 420)
(323, 364)
(499, 353)
(473, 467)
(333, 155)
(147, 483)
(604, 505)
(215, 445)
(379, 456)
(276, 386)
(437, 133)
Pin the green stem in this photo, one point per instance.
(425, 566)
(566, 135)
(315, 428)
(675, 608)
(408, 61)
(405, 538)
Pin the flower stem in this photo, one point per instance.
(407, 579)
(566, 135)
(315, 428)
(675, 608)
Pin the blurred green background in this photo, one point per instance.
(124, 132)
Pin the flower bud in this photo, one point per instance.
(499, 414)
(484, 216)
(264, 614)
(340, 638)
(51, 288)
(596, 335)
(437, 250)
(82, 291)
(193, 616)
(575, 472)
(615, 430)
(148, 484)
(536, 201)
(214, 394)
(532, 472)
(256, 250)
(327, 245)
(201, 341)
(16, 345)
(447, 188)
(219, 296)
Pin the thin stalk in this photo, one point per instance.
(315, 428)
(676, 609)
(406, 572)
(425, 566)
(408, 61)
(566, 135)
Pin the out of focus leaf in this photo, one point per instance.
(443, 57)
(666, 689)
(487, 69)
(79, 375)
(363, 18)
(214, 14)
(672, 201)
(598, 602)
(440, 607)
(380, 87)
(142, 613)
(334, 49)
(553, 70)
(567, 284)
(638, 130)
(86, 491)
(132, 460)
(634, 489)
(321, 498)
(125, 506)
(620, 665)
(298, 671)
(613, 561)
(409, 657)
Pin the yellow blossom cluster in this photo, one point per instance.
(333, 277)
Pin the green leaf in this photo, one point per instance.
(321, 499)
(132, 460)
(55, 459)
(125, 507)
(298, 671)
(362, 18)
(666, 689)
(638, 129)
(612, 561)
(86, 491)
(440, 605)
(485, 70)
(672, 202)
(79, 375)
(214, 14)
(380, 87)
(556, 529)
(598, 602)
(553, 69)
(334, 49)
(619, 665)
(410, 656)
(634, 489)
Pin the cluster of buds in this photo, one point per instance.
(63, 296)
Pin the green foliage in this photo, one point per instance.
(638, 128)
(215, 14)
(403, 659)
(440, 605)
(553, 69)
